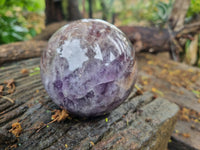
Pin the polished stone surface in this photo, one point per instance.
(89, 67)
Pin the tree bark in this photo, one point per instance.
(147, 39)
(73, 10)
(53, 11)
(104, 10)
(175, 24)
(83, 11)
(178, 13)
(90, 8)
(21, 50)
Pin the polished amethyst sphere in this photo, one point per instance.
(89, 67)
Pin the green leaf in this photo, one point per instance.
(37, 68)
(106, 119)
(2, 2)
(197, 93)
(32, 32)
(187, 44)
(17, 36)
(17, 28)
(34, 73)
(162, 10)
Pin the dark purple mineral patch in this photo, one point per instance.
(89, 67)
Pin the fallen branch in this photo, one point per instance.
(49, 30)
(21, 50)
(7, 98)
(192, 28)
(144, 38)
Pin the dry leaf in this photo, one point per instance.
(60, 115)
(185, 111)
(24, 71)
(150, 62)
(193, 127)
(186, 114)
(157, 91)
(11, 90)
(10, 85)
(184, 118)
(139, 91)
(11, 147)
(92, 143)
(176, 131)
(1, 89)
(16, 129)
(186, 135)
(145, 82)
(148, 120)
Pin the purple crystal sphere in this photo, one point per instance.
(89, 67)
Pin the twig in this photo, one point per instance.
(7, 98)
(190, 28)
(46, 125)
(174, 52)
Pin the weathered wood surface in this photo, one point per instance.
(141, 122)
(21, 50)
(178, 83)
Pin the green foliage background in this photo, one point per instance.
(194, 8)
(23, 19)
(15, 21)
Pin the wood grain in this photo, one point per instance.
(139, 123)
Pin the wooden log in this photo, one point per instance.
(178, 83)
(21, 50)
(193, 28)
(150, 39)
(142, 38)
(141, 122)
(49, 31)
